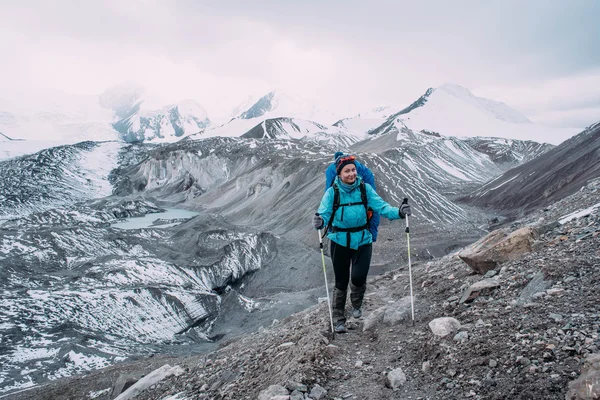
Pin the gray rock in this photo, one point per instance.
(475, 289)
(297, 395)
(461, 337)
(317, 392)
(272, 391)
(398, 311)
(124, 382)
(373, 319)
(556, 317)
(426, 367)
(491, 273)
(587, 386)
(535, 286)
(444, 326)
(395, 378)
(296, 386)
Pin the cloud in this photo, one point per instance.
(568, 101)
(351, 55)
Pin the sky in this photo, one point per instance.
(541, 57)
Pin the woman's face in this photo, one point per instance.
(348, 174)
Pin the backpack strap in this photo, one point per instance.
(336, 205)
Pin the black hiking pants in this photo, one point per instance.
(350, 264)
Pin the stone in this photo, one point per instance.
(534, 289)
(473, 291)
(124, 382)
(373, 319)
(317, 392)
(556, 317)
(272, 391)
(444, 326)
(461, 337)
(296, 386)
(491, 273)
(587, 386)
(395, 378)
(398, 311)
(498, 246)
(426, 367)
(152, 378)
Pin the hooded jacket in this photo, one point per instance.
(355, 215)
(365, 173)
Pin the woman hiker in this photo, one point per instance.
(348, 230)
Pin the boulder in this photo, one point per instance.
(444, 326)
(587, 386)
(317, 392)
(498, 246)
(395, 378)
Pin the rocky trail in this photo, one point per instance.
(528, 329)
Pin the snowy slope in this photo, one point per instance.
(294, 128)
(452, 110)
(365, 122)
(552, 176)
(281, 115)
(281, 104)
(167, 124)
(508, 151)
(56, 176)
(54, 120)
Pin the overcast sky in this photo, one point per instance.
(540, 57)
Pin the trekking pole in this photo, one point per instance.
(326, 286)
(412, 304)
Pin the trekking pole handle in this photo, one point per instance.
(319, 232)
(405, 201)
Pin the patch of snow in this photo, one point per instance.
(579, 214)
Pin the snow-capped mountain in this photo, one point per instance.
(452, 110)
(547, 178)
(56, 176)
(54, 119)
(283, 115)
(363, 123)
(508, 151)
(295, 128)
(169, 123)
(278, 103)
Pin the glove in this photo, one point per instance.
(317, 221)
(404, 210)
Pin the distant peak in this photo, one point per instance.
(456, 90)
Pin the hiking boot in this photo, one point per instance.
(357, 294)
(356, 313)
(339, 306)
(341, 328)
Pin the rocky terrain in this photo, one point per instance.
(221, 279)
(525, 336)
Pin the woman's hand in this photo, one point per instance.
(317, 221)
(404, 210)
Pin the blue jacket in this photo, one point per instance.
(353, 216)
(367, 176)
